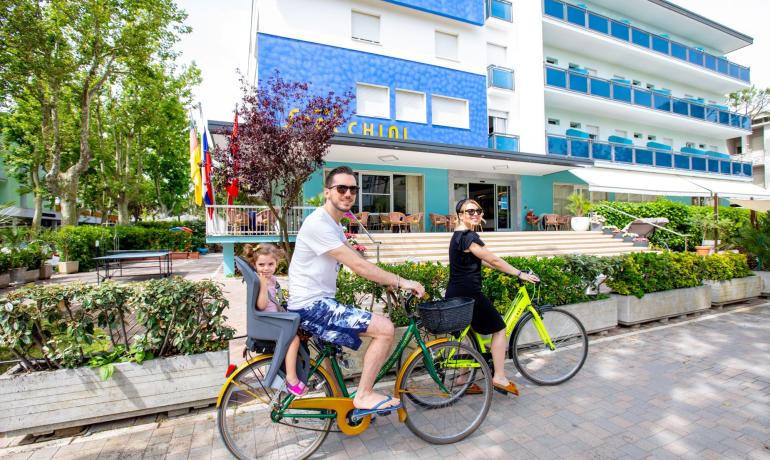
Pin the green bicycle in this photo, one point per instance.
(548, 345)
(257, 421)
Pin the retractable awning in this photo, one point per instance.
(755, 205)
(733, 189)
(641, 183)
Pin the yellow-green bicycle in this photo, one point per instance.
(548, 345)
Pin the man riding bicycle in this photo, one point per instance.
(319, 251)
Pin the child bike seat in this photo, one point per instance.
(279, 328)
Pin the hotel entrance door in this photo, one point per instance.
(494, 199)
(484, 194)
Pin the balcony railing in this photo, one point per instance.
(622, 91)
(252, 220)
(644, 156)
(499, 77)
(620, 30)
(500, 9)
(506, 142)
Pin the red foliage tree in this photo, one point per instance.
(283, 136)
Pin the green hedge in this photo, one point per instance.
(725, 266)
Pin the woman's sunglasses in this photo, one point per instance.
(473, 211)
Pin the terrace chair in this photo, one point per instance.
(414, 219)
(451, 222)
(237, 220)
(551, 220)
(397, 220)
(373, 221)
(564, 222)
(363, 219)
(437, 220)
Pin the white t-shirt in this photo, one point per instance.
(312, 272)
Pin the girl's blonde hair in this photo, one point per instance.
(462, 204)
(252, 252)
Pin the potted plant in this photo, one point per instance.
(359, 248)
(608, 229)
(617, 233)
(708, 226)
(629, 237)
(641, 241)
(43, 253)
(578, 206)
(64, 245)
(18, 265)
(35, 260)
(597, 222)
(5, 267)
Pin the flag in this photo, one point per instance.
(208, 189)
(232, 189)
(195, 160)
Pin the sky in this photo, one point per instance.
(219, 44)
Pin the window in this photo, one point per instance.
(690, 144)
(701, 146)
(713, 148)
(575, 125)
(636, 83)
(497, 55)
(634, 198)
(638, 135)
(651, 137)
(448, 111)
(551, 61)
(573, 66)
(621, 132)
(554, 122)
(375, 193)
(650, 86)
(593, 131)
(668, 141)
(498, 122)
(410, 106)
(561, 193)
(365, 27)
(372, 101)
(446, 45)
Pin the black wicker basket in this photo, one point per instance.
(448, 315)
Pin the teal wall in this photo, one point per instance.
(537, 191)
(435, 184)
(8, 187)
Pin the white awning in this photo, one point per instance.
(756, 205)
(641, 183)
(733, 189)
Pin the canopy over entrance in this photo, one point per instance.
(641, 183)
(754, 205)
(733, 189)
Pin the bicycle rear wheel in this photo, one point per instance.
(536, 360)
(443, 413)
(244, 420)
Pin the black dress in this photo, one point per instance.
(465, 281)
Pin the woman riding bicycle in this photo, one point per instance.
(466, 254)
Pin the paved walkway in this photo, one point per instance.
(697, 389)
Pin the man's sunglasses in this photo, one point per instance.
(473, 211)
(343, 189)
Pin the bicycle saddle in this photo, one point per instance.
(277, 327)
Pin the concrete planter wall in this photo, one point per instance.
(5, 280)
(18, 275)
(69, 267)
(734, 289)
(664, 304)
(31, 275)
(765, 277)
(596, 316)
(46, 271)
(43, 401)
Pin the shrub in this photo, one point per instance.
(647, 272)
(5, 260)
(725, 266)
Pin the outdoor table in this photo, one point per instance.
(114, 261)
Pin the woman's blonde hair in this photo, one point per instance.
(252, 252)
(462, 204)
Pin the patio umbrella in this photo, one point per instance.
(181, 229)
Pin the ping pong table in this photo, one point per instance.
(115, 261)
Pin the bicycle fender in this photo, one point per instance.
(412, 357)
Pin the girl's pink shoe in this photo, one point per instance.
(296, 390)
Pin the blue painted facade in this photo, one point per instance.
(330, 68)
(470, 11)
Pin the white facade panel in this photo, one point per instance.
(410, 106)
(372, 101)
(448, 111)
(365, 27)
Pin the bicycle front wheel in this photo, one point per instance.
(245, 424)
(537, 360)
(438, 408)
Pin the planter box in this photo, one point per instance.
(31, 275)
(596, 316)
(18, 275)
(69, 267)
(765, 276)
(735, 289)
(44, 401)
(183, 255)
(664, 304)
(194, 255)
(5, 280)
(46, 271)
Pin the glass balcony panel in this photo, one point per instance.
(745, 74)
(737, 169)
(619, 30)
(578, 82)
(662, 102)
(663, 159)
(712, 114)
(642, 97)
(576, 15)
(735, 70)
(724, 117)
(722, 65)
(697, 111)
(679, 51)
(735, 120)
(640, 37)
(554, 8)
(681, 107)
(557, 145)
(500, 77)
(556, 77)
(745, 122)
(601, 151)
(660, 44)
(598, 23)
(504, 142)
(579, 148)
(713, 165)
(747, 169)
(698, 163)
(681, 161)
(624, 154)
(711, 62)
(500, 9)
(724, 167)
(695, 56)
(621, 92)
(643, 157)
(600, 87)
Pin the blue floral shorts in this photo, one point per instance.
(334, 322)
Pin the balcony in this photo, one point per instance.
(640, 104)
(499, 77)
(505, 142)
(644, 156)
(500, 9)
(688, 64)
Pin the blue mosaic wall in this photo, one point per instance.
(330, 68)
(471, 11)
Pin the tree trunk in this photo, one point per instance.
(68, 199)
(38, 217)
(124, 216)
